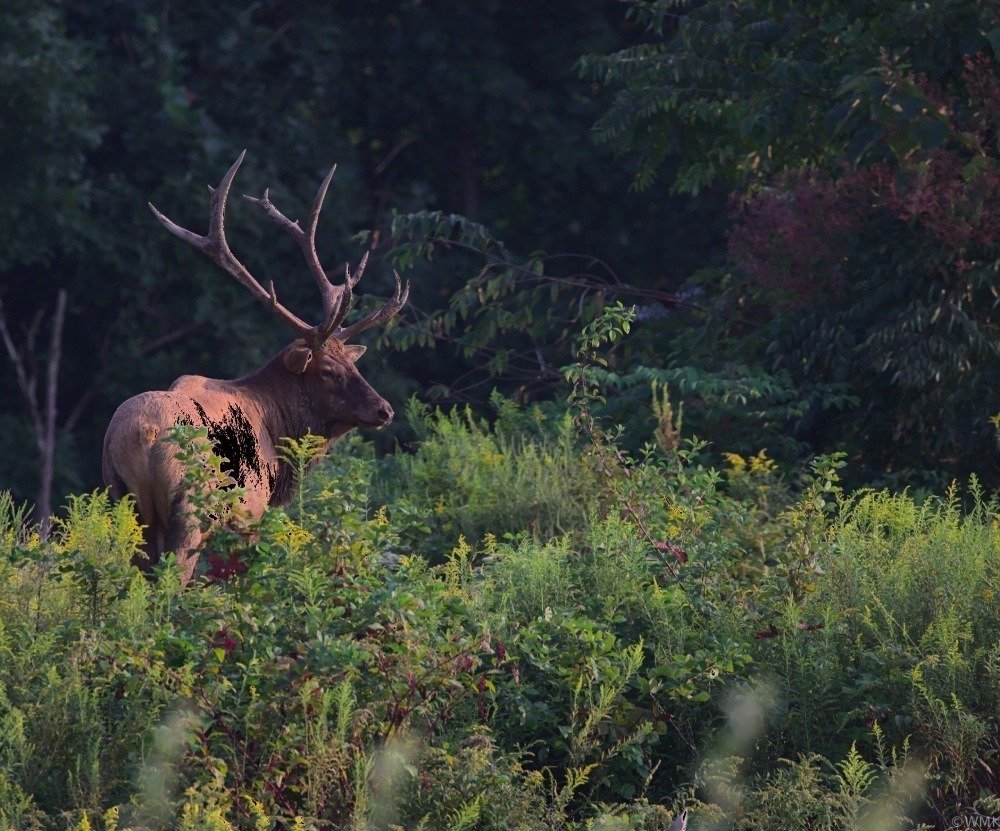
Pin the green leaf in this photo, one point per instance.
(993, 36)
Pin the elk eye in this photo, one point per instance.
(328, 373)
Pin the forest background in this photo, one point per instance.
(800, 201)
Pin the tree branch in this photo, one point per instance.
(43, 421)
(47, 438)
(24, 379)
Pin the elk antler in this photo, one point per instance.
(388, 311)
(337, 300)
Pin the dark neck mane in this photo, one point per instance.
(286, 412)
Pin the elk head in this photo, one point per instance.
(334, 397)
(333, 387)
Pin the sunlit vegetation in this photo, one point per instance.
(650, 636)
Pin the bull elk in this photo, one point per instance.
(312, 385)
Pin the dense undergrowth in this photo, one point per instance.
(513, 626)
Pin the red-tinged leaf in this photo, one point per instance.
(770, 632)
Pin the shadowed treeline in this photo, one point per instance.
(524, 168)
(474, 110)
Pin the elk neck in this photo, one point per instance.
(282, 400)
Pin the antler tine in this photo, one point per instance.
(359, 272)
(306, 239)
(217, 207)
(346, 297)
(317, 204)
(388, 311)
(215, 247)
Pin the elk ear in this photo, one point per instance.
(354, 351)
(297, 358)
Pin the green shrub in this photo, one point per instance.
(811, 792)
(523, 473)
(753, 646)
(914, 587)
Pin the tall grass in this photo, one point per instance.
(510, 627)
(521, 474)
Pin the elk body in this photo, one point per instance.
(312, 385)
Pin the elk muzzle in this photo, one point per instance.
(380, 415)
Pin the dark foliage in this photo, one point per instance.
(473, 109)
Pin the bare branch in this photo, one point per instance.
(47, 437)
(43, 422)
(25, 379)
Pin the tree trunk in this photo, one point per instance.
(43, 420)
(47, 430)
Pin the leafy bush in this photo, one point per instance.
(466, 477)
(914, 586)
(752, 646)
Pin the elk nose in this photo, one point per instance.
(385, 414)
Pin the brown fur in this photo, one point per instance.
(300, 390)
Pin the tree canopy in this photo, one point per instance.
(476, 111)
(861, 141)
(517, 163)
